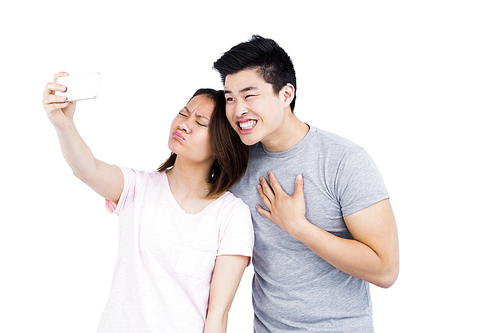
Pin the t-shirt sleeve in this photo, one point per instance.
(127, 195)
(359, 183)
(236, 232)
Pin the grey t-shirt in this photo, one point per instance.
(294, 290)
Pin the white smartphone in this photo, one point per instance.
(80, 86)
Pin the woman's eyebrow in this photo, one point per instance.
(202, 116)
(197, 115)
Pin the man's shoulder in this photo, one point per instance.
(333, 139)
(327, 146)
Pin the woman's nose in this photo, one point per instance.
(183, 127)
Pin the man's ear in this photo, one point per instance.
(287, 93)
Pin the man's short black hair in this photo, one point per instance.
(264, 55)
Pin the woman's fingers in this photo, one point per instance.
(52, 102)
(58, 75)
(51, 107)
(52, 87)
(54, 99)
(57, 107)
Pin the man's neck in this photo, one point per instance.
(291, 133)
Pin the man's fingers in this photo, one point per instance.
(274, 183)
(299, 185)
(263, 197)
(266, 189)
(263, 212)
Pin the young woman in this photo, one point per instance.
(184, 240)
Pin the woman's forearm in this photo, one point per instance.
(216, 321)
(76, 152)
(226, 277)
(107, 180)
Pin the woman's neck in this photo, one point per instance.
(189, 185)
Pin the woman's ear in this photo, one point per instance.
(287, 93)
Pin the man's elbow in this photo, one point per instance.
(387, 278)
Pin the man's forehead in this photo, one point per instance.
(243, 81)
(241, 91)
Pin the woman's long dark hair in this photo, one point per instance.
(231, 155)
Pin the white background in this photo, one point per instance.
(414, 82)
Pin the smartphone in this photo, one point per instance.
(80, 86)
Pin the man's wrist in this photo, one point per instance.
(300, 228)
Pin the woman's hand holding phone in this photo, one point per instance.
(58, 109)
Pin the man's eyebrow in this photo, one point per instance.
(242, 90)
(247, 89)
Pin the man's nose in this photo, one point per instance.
(240, 109)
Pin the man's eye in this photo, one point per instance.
(229, 99)
(182, 114)
(247, 96)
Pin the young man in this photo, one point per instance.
(324, 227)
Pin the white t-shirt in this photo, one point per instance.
(166, 256)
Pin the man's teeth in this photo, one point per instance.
(247, 125)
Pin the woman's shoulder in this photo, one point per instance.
(141, 174)
(230, 199)
(233, 213)
(142, 180)
(229, 202)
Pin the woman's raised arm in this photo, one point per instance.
(107, 180)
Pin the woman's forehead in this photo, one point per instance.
(202, 105)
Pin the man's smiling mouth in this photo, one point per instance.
(246, 125)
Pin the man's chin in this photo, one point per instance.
(248, 140)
